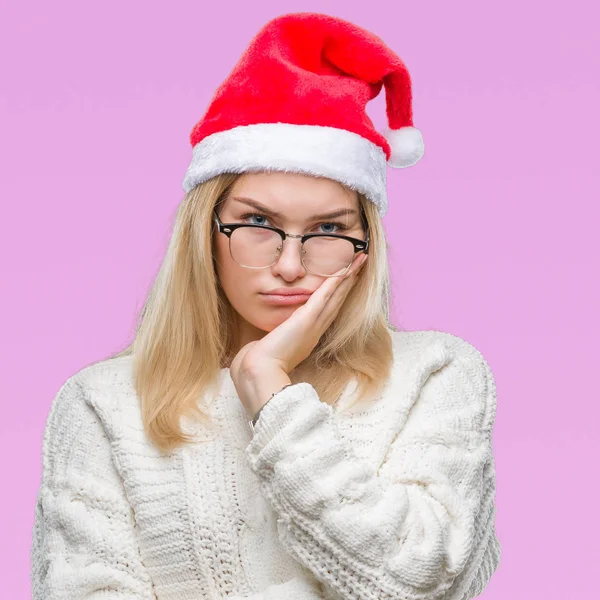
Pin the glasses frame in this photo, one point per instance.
(228, 228)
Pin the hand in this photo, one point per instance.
(291, 342)
(262, 367)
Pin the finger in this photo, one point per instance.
(339, 295)
(324, 293)
(329, 287)
(334, 293)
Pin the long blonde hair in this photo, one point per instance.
(185, 331)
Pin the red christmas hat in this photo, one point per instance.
(295, 101)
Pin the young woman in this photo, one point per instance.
(269, 434)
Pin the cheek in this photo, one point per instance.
(241, 286)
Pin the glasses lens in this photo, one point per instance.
(258, 248)
(254, 246)
(326, 255)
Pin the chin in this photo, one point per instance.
(272, 317)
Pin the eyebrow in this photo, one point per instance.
(260, 207)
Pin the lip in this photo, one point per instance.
(286, 296)
(284, 300)
(288, 292)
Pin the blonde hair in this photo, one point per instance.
(185, 330)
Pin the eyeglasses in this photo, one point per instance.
(259, 247)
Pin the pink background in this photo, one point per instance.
(494, 236)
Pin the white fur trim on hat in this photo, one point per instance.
(316, 150)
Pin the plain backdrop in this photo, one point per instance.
(494, 234)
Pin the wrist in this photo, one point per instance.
(263, 386)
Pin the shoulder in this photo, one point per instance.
(449, 371)
(100, 396)
(447, 347)
(410, 342)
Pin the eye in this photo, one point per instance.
(340, 226)
(248, 215)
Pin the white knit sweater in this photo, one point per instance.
(394, 500)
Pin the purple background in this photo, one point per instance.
(494, 236)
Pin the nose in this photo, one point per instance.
(289, 264)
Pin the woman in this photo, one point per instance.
(255, 444)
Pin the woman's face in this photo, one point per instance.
(298, 198)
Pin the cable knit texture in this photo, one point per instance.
(391, 499)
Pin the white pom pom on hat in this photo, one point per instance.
(406, 145)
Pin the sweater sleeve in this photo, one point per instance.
(83, 543)
(421, 526)
(298, 588)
